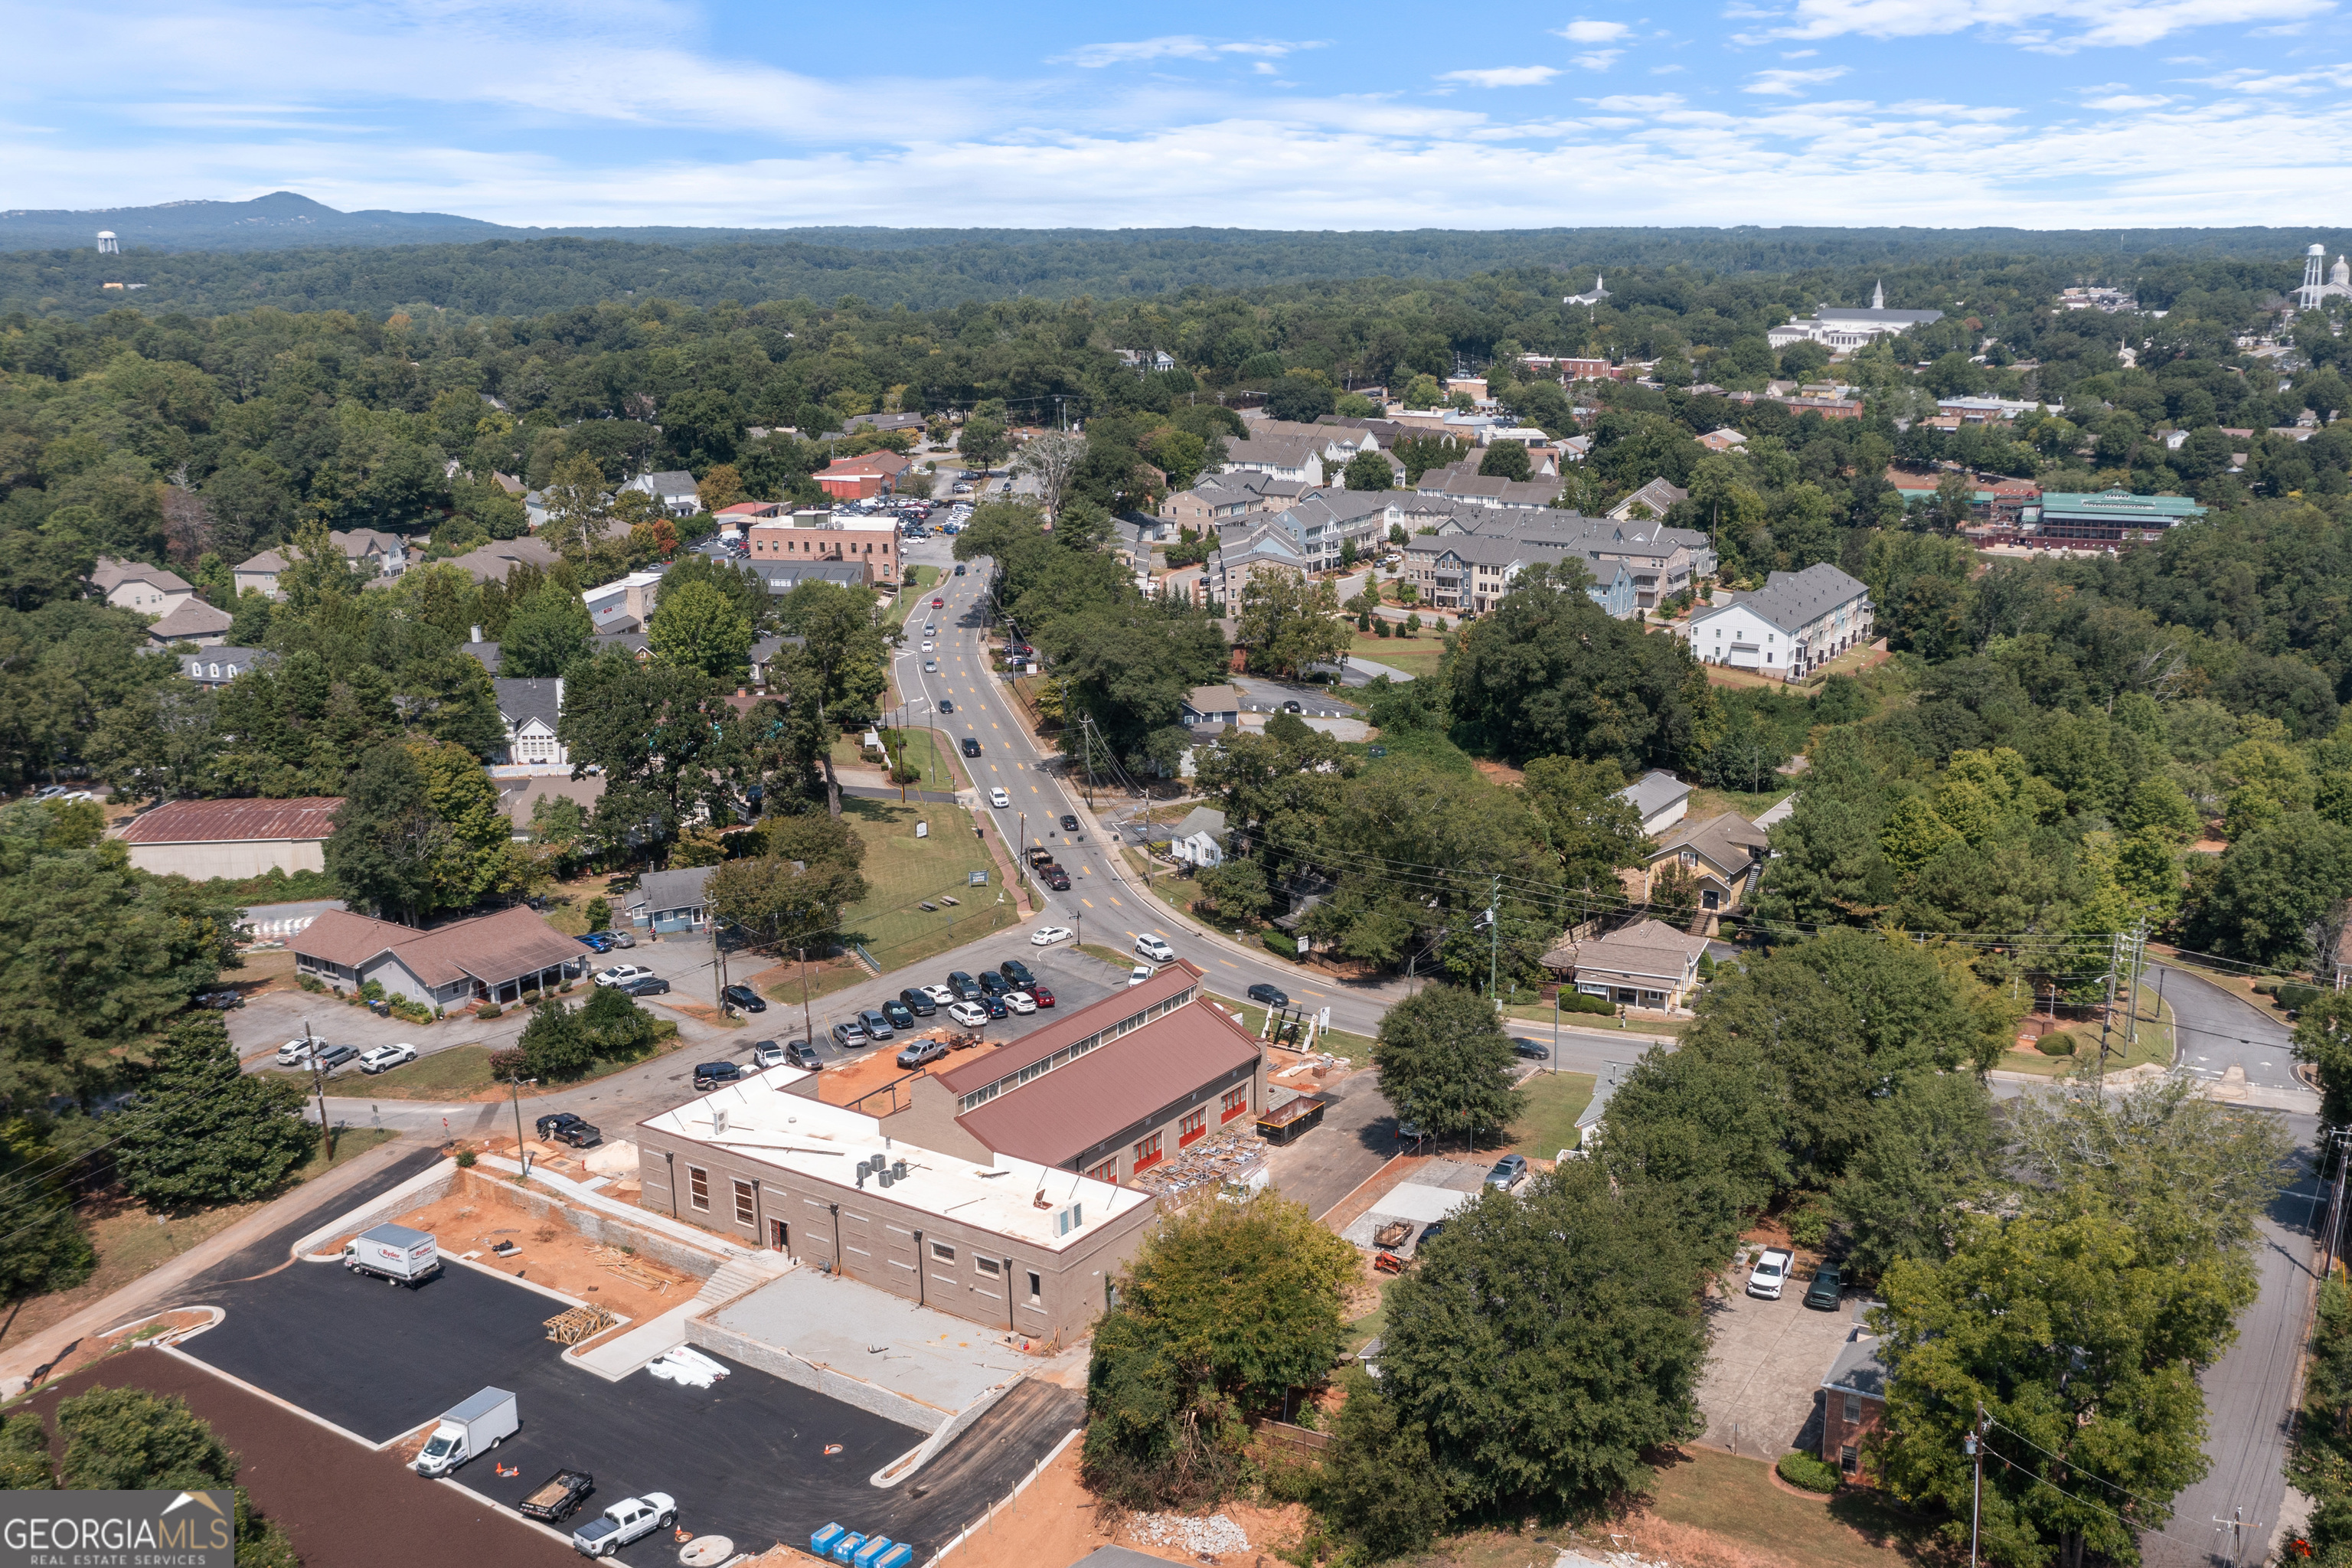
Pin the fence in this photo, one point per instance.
(857, 949)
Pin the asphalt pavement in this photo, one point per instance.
(2218, 1030)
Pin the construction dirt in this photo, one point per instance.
(477, 1216)
(850, 1082)
(1053, 1521)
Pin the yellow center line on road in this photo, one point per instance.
(1088, 902)
(1229, 964)
(1116, 901)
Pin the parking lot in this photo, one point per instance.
(1766, 1360)
(746, 1459)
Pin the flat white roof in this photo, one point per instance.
(769, 1125)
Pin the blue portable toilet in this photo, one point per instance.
(846, 1547)
(898, 1556)
(871, 1553)
(822, 1542)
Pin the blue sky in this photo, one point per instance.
(2042, 113)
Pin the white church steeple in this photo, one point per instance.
(1878, 296)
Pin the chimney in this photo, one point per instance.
(477, 635)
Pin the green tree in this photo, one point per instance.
(1549, 1408)
(667, 743)
(387, 843)
(697, 627)
(1504, 460)
(780, 905)
(1288, 622)
(205, 1131)
(545, 634)
(47, 1249)
(555, 1045)
(1446, 1064)
(616, 1027)
(128, 1439)
(1591, 828)
(1368, 470)
(983, 443)
(1379, 1484)
(1926, 1160)
(472, 859)
(24, 1454)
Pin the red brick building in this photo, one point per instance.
(1853, 1404)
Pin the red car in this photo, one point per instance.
(1039, 994)
(939, 604)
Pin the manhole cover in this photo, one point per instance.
(706, 1552)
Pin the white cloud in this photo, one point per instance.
(1178, 46)
(1790, 83)
(1584, 31)
(1264, 67)
(1599, 59)
(1798, 54)
(1503, 76)
(2050, 27)
(2122, 102)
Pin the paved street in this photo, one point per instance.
(2218, 1030)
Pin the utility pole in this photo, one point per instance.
(319, 1083)
(2107, 1013)
(1494, 935)
(521, 1154)
(1973, 1447)
(808, 1027)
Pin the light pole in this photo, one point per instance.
(319, 1084)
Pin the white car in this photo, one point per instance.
(1771, 1272)
(931, 667)
(294, 1053)
(1021, 1002)
(1138, 974)
(1152, 946)
(1046, 936)
(999, 799)
(625, 1521)
(967, 1014)
(927, 647)
(623, 973)
(384, 1057)
(940, 994)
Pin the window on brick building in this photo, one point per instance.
(1195, 1123)
(1146, 1152)
(697, 1186)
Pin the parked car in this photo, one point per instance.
(964, 987)
(899, 1015)
(711, 1074)
(877, 1024)
(920, 1052)
(221, 1001)
(1046, 936)
(330, 1058)
(919, 1001)
(383, 1058)
(1530, 1051)
(849, 1035)
(1771, 1273)
(743, 997)
(1827, 1286)
(1271, 995)
(651, 985)
(992, 983)
(623, 1522)
(1151, 945)
(597, 941)
(1015, 971)
(767, 1054)
(971, 746)
(1041, 996)
(993, 1005)
(1508, 1172)
(1138, 974)
(802, 1054)
(622, 974)
(294, 1053)
(1021, 1002)
(1069, 823)
(563, 1127)
(965, 1014)
(942, 995)
(622, 938)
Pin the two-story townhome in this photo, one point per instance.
(1241, 553)
(1470, 573)
(1281, 456)
(371, 552)
(1326, 521)
(1794, 623)
(135, 585)
(529, 710)
(1215, 500)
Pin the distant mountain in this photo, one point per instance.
(279, 221)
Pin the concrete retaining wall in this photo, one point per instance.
(609, 1229)
(704, 1334)
(896, 1470)
(428, 1185)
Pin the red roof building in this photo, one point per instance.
(488, 958)
(202, 839)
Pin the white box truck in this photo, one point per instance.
(470, 1431)
(393, 1252)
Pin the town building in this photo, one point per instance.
(862, 478)
(1283, 457)
(2317, 291)
(192, 623)
(1214, 500)
(2112, 518)
(626, 603)
(495, 562)
(488, 958)
(1470, 573)
(1569, 369)
(1241, 554)
(1854, 1404)
(668, 901)
(816, 536)
(1591, 297)
(1647, 964)
(258, 574)
(1651, 501)
(1794, 623)
(529, 710)
(135, 585)
(1846, 327)
(1614, 590)
(203, 839)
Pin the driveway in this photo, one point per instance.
(1761, 1391)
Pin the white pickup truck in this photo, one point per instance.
(1771, 1273)
(625, 1521)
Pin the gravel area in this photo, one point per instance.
(1213, 1535)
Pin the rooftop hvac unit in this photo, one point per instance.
(718, 1121)
(1069, 1218)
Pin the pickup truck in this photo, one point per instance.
(557, 1496)
(625, 1521)
(1771, 1273)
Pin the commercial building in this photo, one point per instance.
(1854, 1404)
(815, 536)
(202, 839)
(1647, 964)
(488, 958)
(2112, 518)
(1848, 327)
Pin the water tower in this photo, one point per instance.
(107, 243)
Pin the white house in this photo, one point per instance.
(135, 585)
(1199, 840)
(1795, 623)
(529, 710)
(1659, 798)
(1280, 456)
(675, 489)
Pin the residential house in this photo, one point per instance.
(1615, 592)
(1269, 547)
(192, 623)
(1723, 440)
(1470, 573)
(1647, 964)
(997, 1189)
(371, 552)
(1280, 456)
(1853, 1402)
(203, 839)
(1724, 854)
(668, 901)
(1652, 499)
(494, 561)
(260, 574)
(674, 488)
(217, 666)
(1200, 839)
(1211, 705)
(529, 710)
(1463, 481)
(488, 958)
(1324, 522)
(135, 585)
(1216, 498)
(1795, 623)
(1658, 798)
(820, 536)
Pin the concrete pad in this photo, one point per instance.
(624, 1353)
(858, 1332)
(1766, 1360)
(1422, 1204)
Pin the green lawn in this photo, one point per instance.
(927, 751)
(903, 873)
(1416, 656)
(1373, 1324)
(824, 981)
(1555, 1099)
(2155, 1045)
(462, 1072)
(1734, 1498)
(1707, 803)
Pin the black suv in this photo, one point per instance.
(965, 987)
(711, 1074)
(1069, 823)
(563, 1127)
(1015, 971)
(918, 1003)
(743, 997)
(901, 1016)
(971, 747)
(993, 984)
